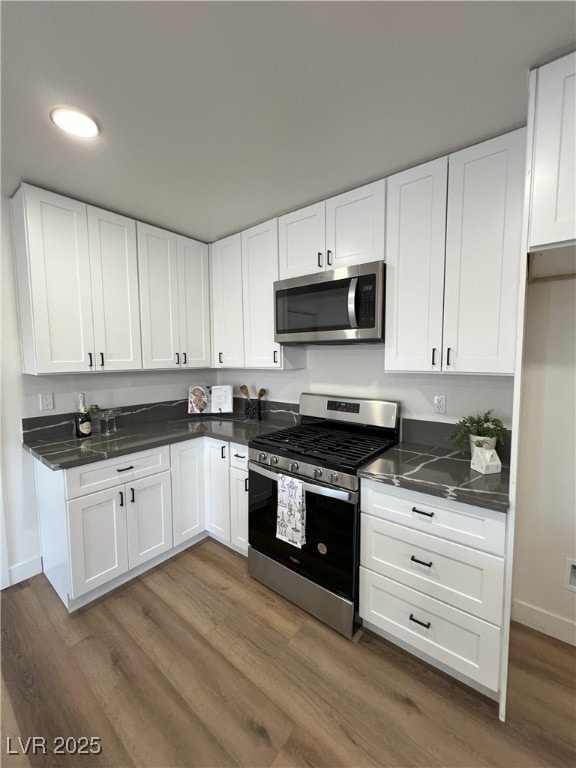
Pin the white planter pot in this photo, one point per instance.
(487, 442)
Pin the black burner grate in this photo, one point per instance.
(341, 446)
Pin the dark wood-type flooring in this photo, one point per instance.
(196, 664)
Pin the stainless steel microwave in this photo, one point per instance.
(340, 306)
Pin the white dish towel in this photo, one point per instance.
(291, 512)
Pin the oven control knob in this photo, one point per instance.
(262, 456)
(333, 477)
(273, 460)
(294, 466)
(317, 473)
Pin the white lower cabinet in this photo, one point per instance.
(118, 529)
(458, 640)
(101, 521)
(98, 540)
(239, 509)
(217, 474)
(188, 518)
(432, 579)
(149, 515)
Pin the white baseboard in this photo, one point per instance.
(544, 621)
(25, 570)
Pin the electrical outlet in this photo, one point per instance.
(47, 401)
(439, 404)
(570, 574)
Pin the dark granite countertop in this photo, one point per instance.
(439, 472)
(58, 452)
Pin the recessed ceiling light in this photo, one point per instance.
(75, 121)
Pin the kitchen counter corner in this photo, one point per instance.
(439, 472)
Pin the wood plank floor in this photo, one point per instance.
(196, 664)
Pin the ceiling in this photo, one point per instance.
(218, 115)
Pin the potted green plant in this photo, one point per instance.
(482, 429)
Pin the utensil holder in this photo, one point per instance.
(253, 410)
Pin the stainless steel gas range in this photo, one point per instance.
(305, 479)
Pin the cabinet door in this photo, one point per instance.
(53, 270)
(239, 509)
(97, 539)
(355, 226)
(194, 303)
(217, 488)
(227, 312)
(415, 244)
(302, 241)
(259, 271)
(149, 518)
(553, 209)
(188, 519)
(483, 244)
(114, 275)
(158, 273)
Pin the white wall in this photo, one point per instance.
(359, 371)
(546, 503)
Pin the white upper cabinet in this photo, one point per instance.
(77, 283)
(174, 299)
(114, 277)
(194, 303)
(415, 245)
(158, 272)
(552, 113)
(53, 274)
(259, 271)
(227, 307)
(302, 241)
(483, 253)
(355, 226)
(342, 231)
(453, 260)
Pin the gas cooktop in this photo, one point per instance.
(331, 442)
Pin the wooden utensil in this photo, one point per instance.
(261, 393)
(244, 390)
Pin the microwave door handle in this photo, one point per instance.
(352, 302)
(319, 490)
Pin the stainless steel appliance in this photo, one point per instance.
(336, 436)
(342, 305)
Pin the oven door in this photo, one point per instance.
(329, 556)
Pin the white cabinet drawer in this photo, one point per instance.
(482, 529)
(462, 642)
(238, 456)
(110, 472)
(465, 578)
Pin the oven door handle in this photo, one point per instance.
(319, 490)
